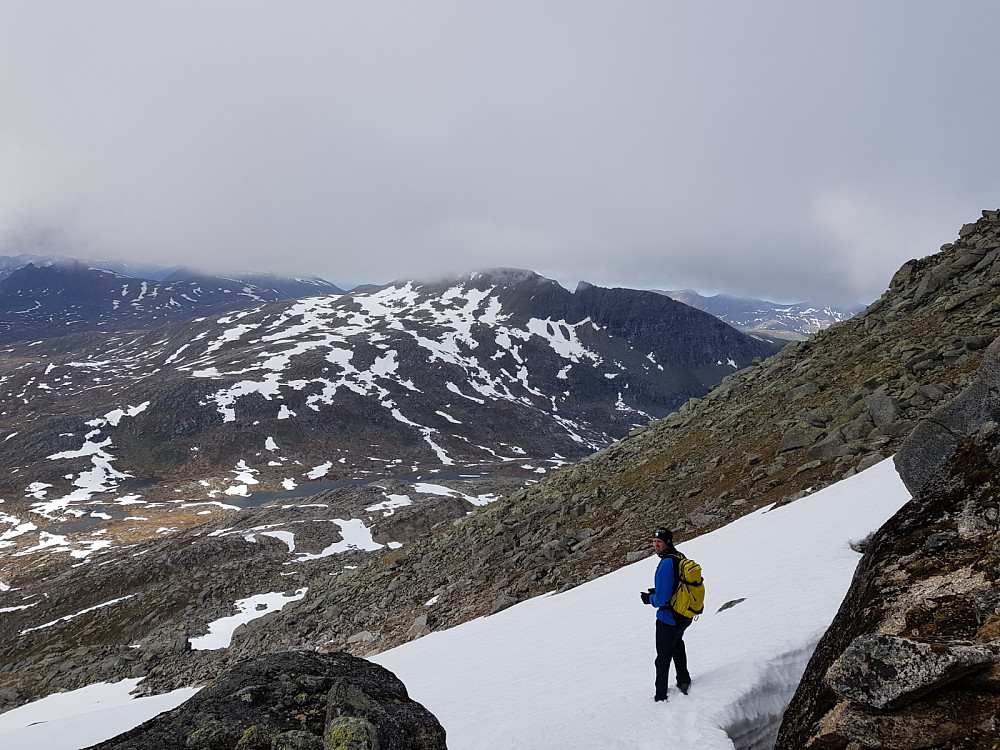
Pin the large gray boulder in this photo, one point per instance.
(882, 409)
(925, 464)
(880, 670)
(299, 699)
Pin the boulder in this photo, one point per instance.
(932, 392)
(869, 461)
(799, 436)
(808, 466)
(924, 462)
(502, 602)
(700, 520)
(900, 428)
(830, 448)
(295, 699)
(884, 671)
(807, 389)
(419, 627)
(882, 409)
(555, 549)
(859, 427)
(636, 555)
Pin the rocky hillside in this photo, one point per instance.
(795, 321)
(912, 658)
(815, 412)
(56, 299)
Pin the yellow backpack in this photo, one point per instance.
(689, 588)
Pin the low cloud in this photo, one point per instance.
(783, 150)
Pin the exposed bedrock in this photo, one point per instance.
(910, 659)
(300, 700)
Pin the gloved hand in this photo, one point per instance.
(645, 597)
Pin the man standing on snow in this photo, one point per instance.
(670, 626)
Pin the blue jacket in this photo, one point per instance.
(663, 581)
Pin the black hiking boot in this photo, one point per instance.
(684, 687)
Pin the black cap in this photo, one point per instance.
(664, 535)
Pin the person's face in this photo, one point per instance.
(659, 545)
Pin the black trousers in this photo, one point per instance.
(670, 647)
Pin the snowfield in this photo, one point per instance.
(575, 670)
(84, 717)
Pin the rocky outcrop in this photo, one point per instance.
(293, 701)
(880, 671)
(910, 659)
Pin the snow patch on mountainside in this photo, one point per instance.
(220, 632)
(102, 477)
(442, 325)
(84, 717)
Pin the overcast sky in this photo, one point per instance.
(787, 150)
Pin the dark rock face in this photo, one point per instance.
(924, 466)
(300, 700)
(908, 660)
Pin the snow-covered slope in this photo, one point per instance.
(576, 669)
(84, 717)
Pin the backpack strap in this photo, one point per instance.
(676, 557)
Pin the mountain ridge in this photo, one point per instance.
(47, 301)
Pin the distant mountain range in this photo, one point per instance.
(62, 297)
(50, 295)
(151, 271)
(796, 321)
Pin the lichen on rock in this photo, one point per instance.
(293, 701)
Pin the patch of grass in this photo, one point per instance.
(990, 630)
